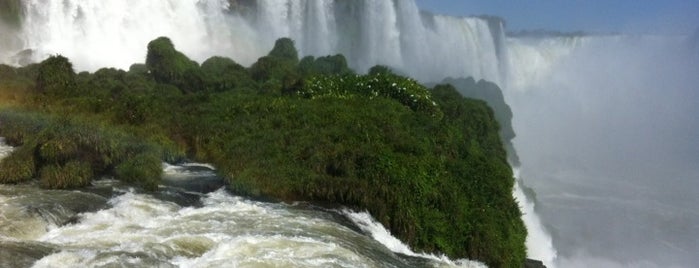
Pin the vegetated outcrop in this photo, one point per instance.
(427, 163)
(491, 94)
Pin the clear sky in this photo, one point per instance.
(598, 16)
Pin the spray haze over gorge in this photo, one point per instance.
(606, 124)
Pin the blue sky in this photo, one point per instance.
(599, 16)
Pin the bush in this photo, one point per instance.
(18, 167)
(327, 65)
(58, 150)
(143, 169)
(222, 74)
(69, 150)
(278, 71)
(56, 77)
(285, 49)
(71, 175)
(167, 65)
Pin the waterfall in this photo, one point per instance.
(113, 33)
(606, 132)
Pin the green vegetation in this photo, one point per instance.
(491, 94)
(428, 164)
(56, 77)
(67, 153)
(327, 65)
(169, 66)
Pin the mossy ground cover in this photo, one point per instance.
(427, 163)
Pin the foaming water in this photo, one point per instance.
(539, 242)
(45, 228)
(379, 233)
(5, 149)
(138, 229)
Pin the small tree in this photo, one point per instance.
(167, 65)
(222, 74)
(56, 76)
(279, 69)
(284, 48)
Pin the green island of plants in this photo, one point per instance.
(429, 164)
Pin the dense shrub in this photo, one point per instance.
(70, 152)
(285, 49)
(18, 166)
(328, 65)
(491, 94)
(71, 175)
(167, 65)
(278, 70)
(143, 169)
(221, 74)
(56, 77)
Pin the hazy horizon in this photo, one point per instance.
(622, 16)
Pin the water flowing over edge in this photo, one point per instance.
(393, 33)
(539, 242)
(369, 225)
(140, 229)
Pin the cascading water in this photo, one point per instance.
(606, 128)
(559, 87)
(108, 224)
(393, 33)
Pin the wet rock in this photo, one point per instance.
(529, 263)
(22, 254)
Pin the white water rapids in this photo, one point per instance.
(606, 124)
(41, 228)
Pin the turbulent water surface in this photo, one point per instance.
(606, 124)
(111, 225)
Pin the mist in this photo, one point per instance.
(607, 134)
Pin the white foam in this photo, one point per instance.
(188, 170)
(227, 230)
(539, 243)
(367, 223)
(5, 149)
